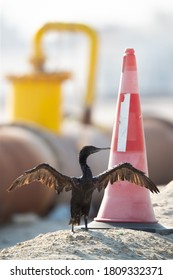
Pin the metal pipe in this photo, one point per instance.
(38, 57)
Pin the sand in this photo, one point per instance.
(107, 244)
(99, 244)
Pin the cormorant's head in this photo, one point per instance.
(88, 150)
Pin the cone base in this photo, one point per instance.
(148, 227)
(103, 220)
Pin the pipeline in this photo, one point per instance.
(22, 147)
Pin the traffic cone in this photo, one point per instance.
(125, 203)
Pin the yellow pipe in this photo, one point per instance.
(38, 57)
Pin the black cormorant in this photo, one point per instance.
(82, 187)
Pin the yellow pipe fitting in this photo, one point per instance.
(37, 96)
(37, 99)
(38, 57)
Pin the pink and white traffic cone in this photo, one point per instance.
(124, 201)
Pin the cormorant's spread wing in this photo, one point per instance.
(124, 172)
(45, 174)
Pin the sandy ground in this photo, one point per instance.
(102, 244)
(39, 238)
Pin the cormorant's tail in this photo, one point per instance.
(75, 220)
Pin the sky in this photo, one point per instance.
(28, 15)
(145, 25)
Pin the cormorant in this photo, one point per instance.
(82, 187)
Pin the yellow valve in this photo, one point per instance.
(38, 57)
(36, 98)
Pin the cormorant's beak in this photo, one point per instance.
(101, 149)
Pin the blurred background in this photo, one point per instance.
(146, 26)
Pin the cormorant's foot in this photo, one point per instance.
(72, 228)
(84, 228)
